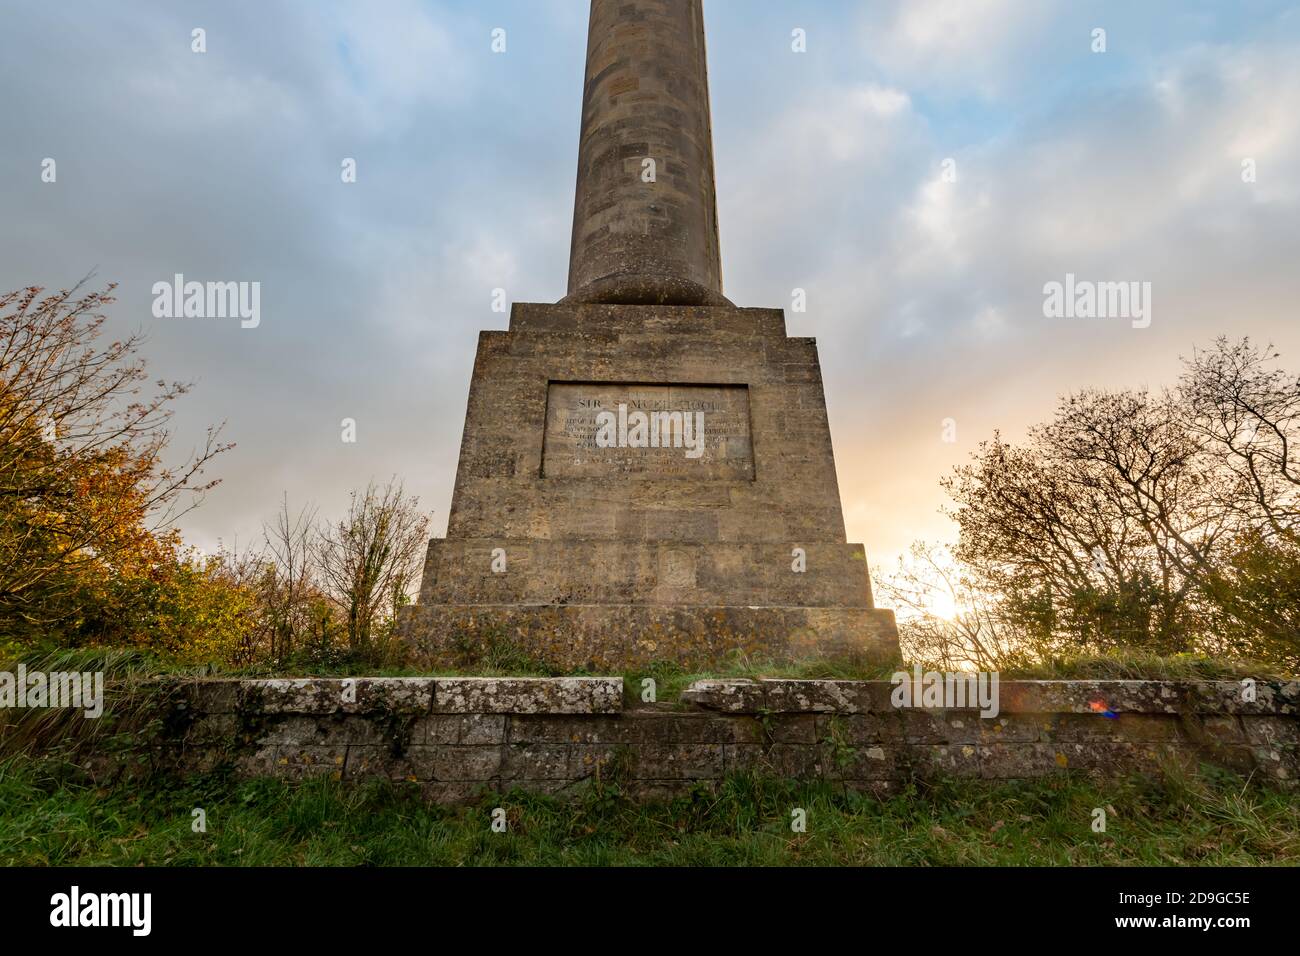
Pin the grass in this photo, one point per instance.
(50, 816)
(133, 700)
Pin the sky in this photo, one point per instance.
(921, 170)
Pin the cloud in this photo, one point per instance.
(971, 45)
(925, 294)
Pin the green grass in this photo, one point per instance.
(50, 816)
(133, 700)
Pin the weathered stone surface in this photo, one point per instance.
(815, 696)
(646, 790)
(604, 570)
(1225, 697)
(867, 762)
(292, 696)
(559, 735)
(1278, 762)
(455, 764)
(592, 760)
(953, 760)
(1092, 697)
(790, 696)
(1228, 697)
(1273, 731)
(966, 727)
(311, 695)
(663, 573)
(1129, 727)
(425, 762)
(619, 636)
(679, 761)
(859, 729)
(1111, 757)
(1148, 697)
(1023, 760)
(642, 726)
(537, 762)
(394, 695)
(260, 761)
(927, 726)
(212, 696)
(729, 696)
(791, 729)
(774, 760)
(367, 761)
(329, 731)
(580, 552)
(310, 760)
(527, 695)
(470, 791)
(646, 97)
(720, 448)
(214, 729)
(461, 729)
(1213, 728)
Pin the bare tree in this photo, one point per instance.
(1248, 411)
(369, 559)
(1058, 537)
(289, 590)
(1166, 521)
(946, 620)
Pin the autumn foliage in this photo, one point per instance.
(89, 549)
(88, 546)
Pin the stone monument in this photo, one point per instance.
(646, 470)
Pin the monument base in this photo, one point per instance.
(613, 637)
(571, 550)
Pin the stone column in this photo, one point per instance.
(646, 98)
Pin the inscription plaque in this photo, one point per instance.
(610, 430)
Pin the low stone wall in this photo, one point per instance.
(456, 737)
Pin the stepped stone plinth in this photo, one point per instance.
(582, 555)
(646, 470)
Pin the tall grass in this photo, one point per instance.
(1170, 820)
(137, 688)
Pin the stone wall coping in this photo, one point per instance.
(409, 695)
(604, 695)
(776, 695)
